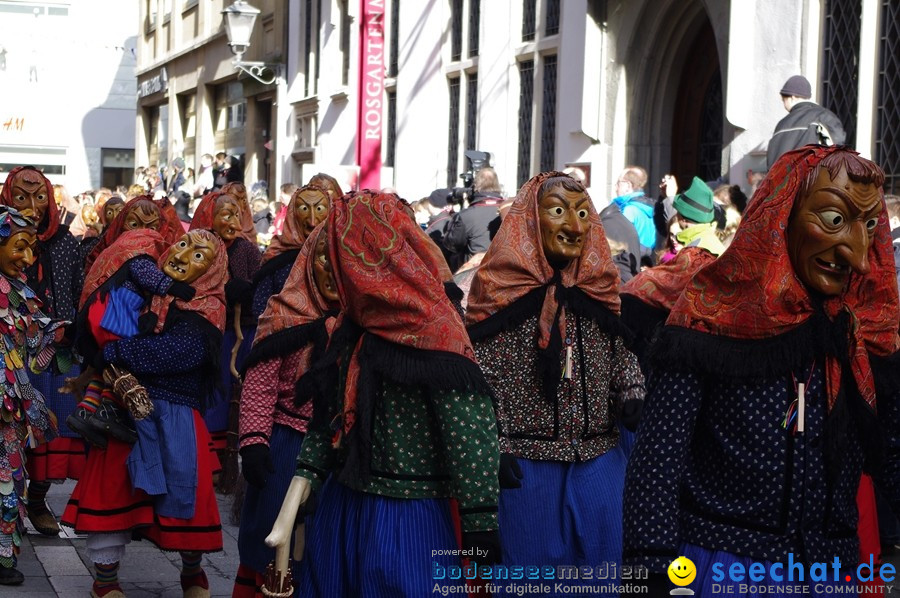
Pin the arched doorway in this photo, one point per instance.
(698, 120)
(675, 97)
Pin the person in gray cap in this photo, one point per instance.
(806, 122)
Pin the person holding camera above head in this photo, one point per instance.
(469, 232)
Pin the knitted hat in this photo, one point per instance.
(799, 86)
(696, 203)
(439, 197)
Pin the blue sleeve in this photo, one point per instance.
(653, 479)
(643, 224)
(182, 348)
(148, 276)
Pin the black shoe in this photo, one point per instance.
(10, 576)
(114, 421)
(80, 422)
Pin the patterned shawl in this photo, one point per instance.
(205, 215)
(661, 285)
(209, 300)
(117, 227)
(292, 235)
(48, 226)
(300, 301)
(239, 192)
(515, 280)
(129, 245)
(391, 289)
(752, 293)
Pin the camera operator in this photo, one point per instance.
(468, 232)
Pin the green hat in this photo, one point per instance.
(696, 203)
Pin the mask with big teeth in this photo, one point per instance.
(227, 221)
(29, 194)
(322, 270)
(565, 223)
(17, 251)
(189, 258)
(830, 231)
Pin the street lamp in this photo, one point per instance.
(239, 20)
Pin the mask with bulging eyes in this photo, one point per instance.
(311, 208)
(830, 231)
(189, 258)
(227, 221)
(565, 223)
(29, 195)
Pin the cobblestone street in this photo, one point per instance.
(60, 567)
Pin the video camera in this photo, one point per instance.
(477, 161)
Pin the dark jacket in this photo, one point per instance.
(714, 467)
(469, 231)
(617, 228)
(802, 126)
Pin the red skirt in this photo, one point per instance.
(60, 459)
(104, 501)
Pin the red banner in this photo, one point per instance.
(371, 93)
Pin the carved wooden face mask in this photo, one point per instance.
(17, 252)
(227, 222)
(189, 258)
(830, 231)
(565, 223)
(29, 195)
(322, 270)
(311, 208)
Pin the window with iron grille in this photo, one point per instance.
(307, 46)
(456, 16)
(552, 25)
(315, 82)
(887, 142)
(474, 21)
(709, 162)
(453, 134)
(548, 115)
(471, 109)
(345, 42)
(840, 64)
(526, 97)
(391, 149)
(529, 18)
(395, 39)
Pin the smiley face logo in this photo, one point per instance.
(682, 571)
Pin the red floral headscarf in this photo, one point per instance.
(205, 215)
(209, 299)
(292, 235)
(390, 284)
(129, 245)
(239, 192)
(117, 227)
(661, 285)
(299, 301)
(515, 265)
(752, 292)
(48, 226)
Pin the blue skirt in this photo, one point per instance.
(370, 546)
(705, 587)
(261, 506)
(216, 416)
(566, 514)
(61, 404)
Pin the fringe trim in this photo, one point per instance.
(680, 348)
(642, 319)
(284, 342)
(286, 258)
